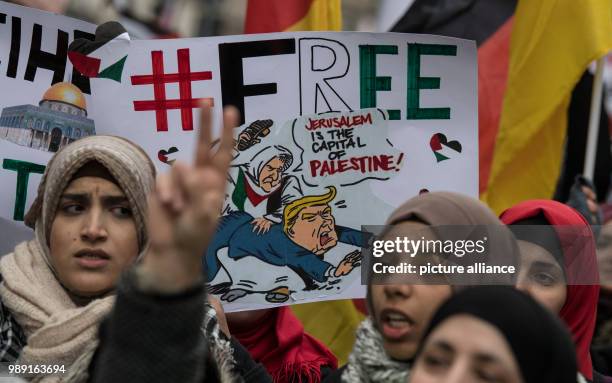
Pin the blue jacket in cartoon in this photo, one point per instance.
(235, 232)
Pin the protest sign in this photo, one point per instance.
(337, 130)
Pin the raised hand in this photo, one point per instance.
(186, 204)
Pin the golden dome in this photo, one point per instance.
(66, 92)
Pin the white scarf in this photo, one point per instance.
(58, 331)
(369, 361)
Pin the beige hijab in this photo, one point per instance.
(453, 216)
(58, 330)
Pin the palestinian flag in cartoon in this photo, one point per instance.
(105, 56)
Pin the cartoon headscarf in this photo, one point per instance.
(580, 265)
(262, 157)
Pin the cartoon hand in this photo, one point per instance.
(261, 224)
(350, 261)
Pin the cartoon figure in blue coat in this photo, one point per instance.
(307, 232)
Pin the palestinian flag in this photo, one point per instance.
(442, 148)
(532, 126)
(105, 56)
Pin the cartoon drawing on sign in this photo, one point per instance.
(277, 237)
(59, 119)
(308, 231)
(259, 176)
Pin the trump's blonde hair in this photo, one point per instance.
(293, 209)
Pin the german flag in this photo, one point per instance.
(265, 16)
(530, 58)
(552, 44)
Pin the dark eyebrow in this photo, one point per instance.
(80, 198)
(445, 346)
(487, 358)
(114, 200)
(546, 265)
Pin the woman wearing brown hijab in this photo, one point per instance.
(388, 339)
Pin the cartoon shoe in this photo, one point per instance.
(251, 134)
(234, 294)
(278, 295)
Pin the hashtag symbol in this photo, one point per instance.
(159, 79)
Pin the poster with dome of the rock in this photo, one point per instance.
(44, 103)
(59, 118)
(337, 129)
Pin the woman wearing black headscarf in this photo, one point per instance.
(495, 334)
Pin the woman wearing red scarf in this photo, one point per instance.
(276, 339)
(573, 291)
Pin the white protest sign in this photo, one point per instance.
(337, 130)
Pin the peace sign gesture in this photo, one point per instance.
(186, 204)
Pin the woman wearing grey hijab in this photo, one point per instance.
(399, 312)
(89, 220)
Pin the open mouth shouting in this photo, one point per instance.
(324, 237)
(395, 324)
(92, 259)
